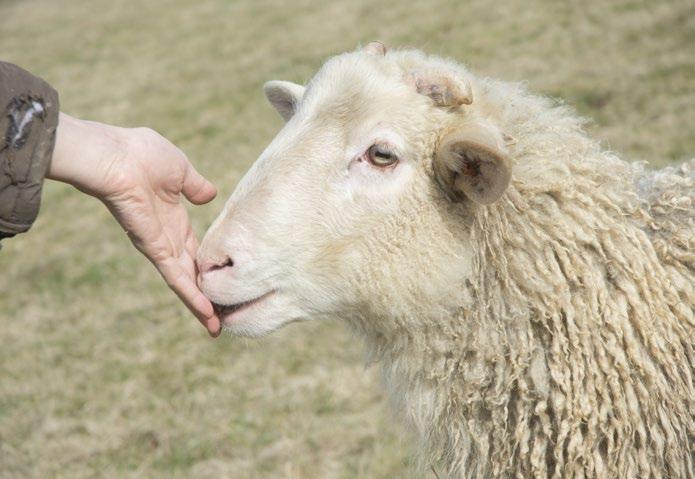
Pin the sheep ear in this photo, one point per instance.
(284, 96)
(473, 162)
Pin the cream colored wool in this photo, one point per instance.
(568, 350)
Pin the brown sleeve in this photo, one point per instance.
(29, 109)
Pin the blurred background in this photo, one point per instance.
(102, 371)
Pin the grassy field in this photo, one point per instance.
(103, 373)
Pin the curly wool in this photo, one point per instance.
(582, 285)
(573, 353)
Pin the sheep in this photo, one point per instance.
(527, 294)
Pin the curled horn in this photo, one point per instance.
(375, 48)
(443, 87)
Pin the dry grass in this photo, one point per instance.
(102, 372)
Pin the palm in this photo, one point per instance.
(144, 195)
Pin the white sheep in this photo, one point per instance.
(528, 295)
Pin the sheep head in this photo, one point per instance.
(355, 208)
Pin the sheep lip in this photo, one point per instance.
(224, 311)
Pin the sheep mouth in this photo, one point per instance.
(226, 310)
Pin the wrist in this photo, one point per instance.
(85, 153)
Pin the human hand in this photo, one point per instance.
(139, 175)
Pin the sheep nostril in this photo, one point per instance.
(207, 267)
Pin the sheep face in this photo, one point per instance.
(356, 202)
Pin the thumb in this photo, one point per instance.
(196, 188)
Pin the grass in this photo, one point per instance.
(102, 372)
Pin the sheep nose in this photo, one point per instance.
(206, 266)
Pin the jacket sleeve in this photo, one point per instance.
(29, 109)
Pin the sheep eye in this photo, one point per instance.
(381, 156)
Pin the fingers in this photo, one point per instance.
(187, 290)
(196, 188)
(213, 322)
(191, 246)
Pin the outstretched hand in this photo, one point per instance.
(141, 177)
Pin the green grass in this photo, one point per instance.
(102, 371)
